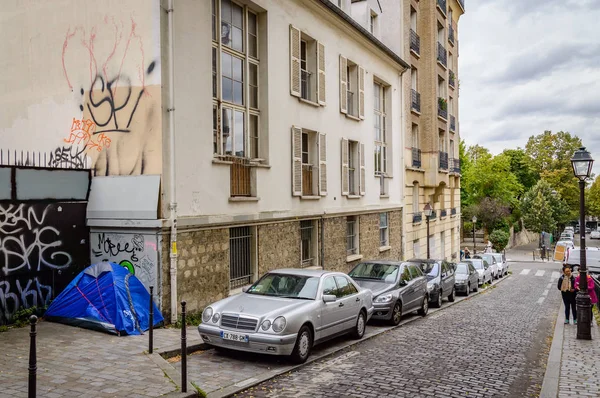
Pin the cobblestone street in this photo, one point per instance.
(493, 345)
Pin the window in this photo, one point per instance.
(240, 257)
(345, 287)
(353, 168)
(443, 242)
(442, 142)
(405, 276)
(415, 198)
(329, 286)
(415, 271)
(307, 243)
(380, 129)
(417, 248)
(309, 163)
(383, 230)
(413, 19)
(352, 89)
(415, 136)
(235, 85)
(413, 78)
(307, 67)
(352, 235)
(373, 23)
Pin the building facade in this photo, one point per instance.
(268, 133)
(432, 140)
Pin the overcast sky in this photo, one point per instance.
(527, 66)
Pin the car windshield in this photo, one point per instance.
(498, 257)
(286, 285)
(430, 269)
(478, 264)
(462, 269)
(375, 271)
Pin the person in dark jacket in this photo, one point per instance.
(566, 285)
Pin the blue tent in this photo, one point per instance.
(105, 297)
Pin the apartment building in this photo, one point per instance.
(266, 133)
(431, 149)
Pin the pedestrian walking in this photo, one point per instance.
(591, 291)
(566, 285)
(467, 252)
(488, 249)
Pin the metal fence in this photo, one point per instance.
(415, 42)
(240, 257)
(443, 160)
(415, 102)
(441, 54)
(68, 157)
(240, 178)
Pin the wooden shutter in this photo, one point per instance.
(345, 170)
(343, 85)
(296, 161)
(321, 73)
(294, 61)
(361, 92)
(322, 164)
(362, 176)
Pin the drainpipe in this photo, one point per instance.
(322, 242)
(173, 199)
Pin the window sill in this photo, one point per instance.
(443, 171)
(416, 112)
(417, 169)
(416, 54)
(417, 223)
(442, 119)
(353, 196)
(442, 65)
(310, 197)
(309, 102)
(356, 118)
(384, 248)
(354, 257)
(235, 199)
(384, 196)
(253, 163)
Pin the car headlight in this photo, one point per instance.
(385, 298)
(279, 324)
(266, 325)
(430, 285)
(460, 282)
(216, 317)
(207, 314)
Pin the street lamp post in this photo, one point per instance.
(428, 211)
(582, 168)
(474, 219)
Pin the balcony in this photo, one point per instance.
(451, 79)
(451, 34)
(443, 213)
(415, 100)
(442, 55)
(452, 123)
(417, 217)
(455, 165)
(453, 211)
(442, 6)
(443, 160)
(416, 157)
(415, 42)
(442, 108)
(240, 180)
(307, 180)
(433, 215)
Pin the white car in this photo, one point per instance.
(483, 269)
(492, 263)
(502, 264)
(595, 235)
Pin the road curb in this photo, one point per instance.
(552, 375)
(243, 385)
(175, 376)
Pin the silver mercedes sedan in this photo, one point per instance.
(287, 311)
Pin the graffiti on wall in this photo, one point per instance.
(41, 251)
(136, 252)
(106, 65)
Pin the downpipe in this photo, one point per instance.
(173, 199)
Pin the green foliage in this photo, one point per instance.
(592, 199)
(517, 227)
(3, 328)
(443, 103)
(521, 167)
(491, 212)
(502, 224)
(543, 208)
(21, 317)
(499, 239)
(193, 319)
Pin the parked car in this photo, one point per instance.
(398, 288)
(587, 230)
(287, 311)
(483, 269)
(440, 279)
(466, 278)
(595, 234)
(493, 264)
(592, 257)
(566, 237)
(502, 263)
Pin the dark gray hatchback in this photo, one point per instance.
(440, 279)
(398, 288)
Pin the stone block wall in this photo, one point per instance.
(279, 246)
(334, 239)
(369, 236)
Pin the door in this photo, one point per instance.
(331, 313)
(349, 302)
(416, 292)
(446, 279)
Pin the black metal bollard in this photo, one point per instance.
(150, 334)
(183, 350)
(32, 358)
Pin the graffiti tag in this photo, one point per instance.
(83, 132)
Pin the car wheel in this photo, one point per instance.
(396, 314)
(468, 290)
(361, 323)
(452, 296)
(424, 307)
(303, 345)
(438, 302)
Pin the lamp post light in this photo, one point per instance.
(474, 219)
(428, 211)
(582, 168)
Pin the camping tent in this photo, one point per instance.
(105, 297)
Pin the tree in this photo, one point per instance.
(521, 167)
(592, 199)
(490, 212)
(499, 239)
(542, 208)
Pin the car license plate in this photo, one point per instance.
(242, 338)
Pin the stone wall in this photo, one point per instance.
(279, 246)
(334, 240)
(370, 241)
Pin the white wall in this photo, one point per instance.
(203, 187)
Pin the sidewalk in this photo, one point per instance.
(525, 254)
(567, 373)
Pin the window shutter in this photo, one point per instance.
(362, 175)
(361, 92)
(321, 72)
(345, 170)
(296, 161)
(343, 85)
(294, 61)
(322, 164)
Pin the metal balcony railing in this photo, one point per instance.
(417, 217)
(442, 5)
(443, 160)
(307, 179)
(416, 157)
(451, 79)
(442, 109)
(415, 100)
(442, 55)
(455, 165)
(305, 84)
(433, 215)
(443, 213)
(240, 180)
(450, 34)
(453, 211)
(415, 42)
(452, 123)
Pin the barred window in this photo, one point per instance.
(306, 245)
(383, 230)
(352, 236)
(240, 257)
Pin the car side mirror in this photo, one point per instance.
(402, 282)
(329, 298)
(245, 289)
